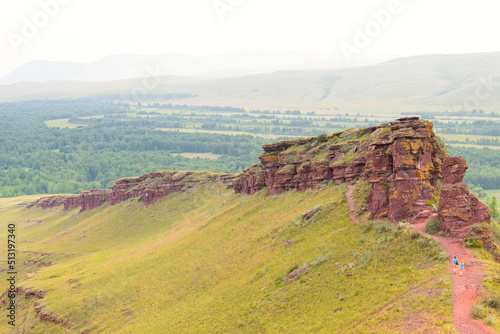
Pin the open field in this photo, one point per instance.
(63, 123)
(256, 122)
(474, 146)
(89, 117)
(379, 117)
(478, 117)
(493, 192)
(198, 155)
(463, 137)
(270, 136)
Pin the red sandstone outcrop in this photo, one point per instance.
(93, 199)
(148, 188)
(454, 170)
(72, 202)
(41, 314)
(406, 166)
(401, 161)
(69, 202)
(461, 214)
(154, 186)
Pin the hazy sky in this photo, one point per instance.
(87, 30)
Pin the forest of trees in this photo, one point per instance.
(36, 159)
(484, 165)
(119, 142)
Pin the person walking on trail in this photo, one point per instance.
(455, 264)
(461, 267)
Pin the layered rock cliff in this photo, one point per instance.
(147, 188)
(460, 212)
(404, 163)
(68, 201)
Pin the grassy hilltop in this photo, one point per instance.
(211, 261)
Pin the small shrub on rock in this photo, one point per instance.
(321, 138)
(432, 225)
(493, 302)
(382, 228)
(442, 256)
(422, 242)
(368, 227)
(473, 243)
(415, 235)
(479, 311)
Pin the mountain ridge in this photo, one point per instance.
(130, 66)
(443, 82)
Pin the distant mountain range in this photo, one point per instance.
(431, 82)
(120, 67)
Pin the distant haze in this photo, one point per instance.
(121, 67)
(433, 82)
(86, 31)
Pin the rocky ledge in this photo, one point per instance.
(148, 188)
(460, 212)
(404, 163)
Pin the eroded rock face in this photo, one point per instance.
(47, 202)
(406, 164)
(72, 202)
(93, 199)
(461, 214)
(454, 170)
(455, 207)
(148, 188)
(401, 161)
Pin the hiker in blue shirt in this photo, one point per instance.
(461, 267)
(455, 264)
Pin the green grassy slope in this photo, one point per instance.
(211, 261)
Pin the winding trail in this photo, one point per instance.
(465, 288)
(350, 201)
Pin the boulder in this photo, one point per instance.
(453, 170)
(309, 214)
(460, 212)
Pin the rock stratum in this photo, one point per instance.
(404, 163)
(147, 188)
